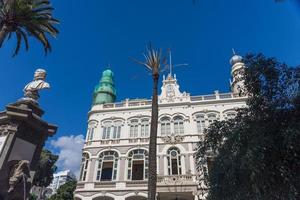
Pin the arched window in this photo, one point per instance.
(165, 126)
(106, 130)
(230, 115)
(138, 163)
(84, 166)
(212, 117)
(200, 123)
(134, 126)
(90, 132)
(117, 129)
(174, 161)
(145, 128)
(178, 125)
(107, 166)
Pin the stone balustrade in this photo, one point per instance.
(175, 179)
(146, 102)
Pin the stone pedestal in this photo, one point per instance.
(22, 136)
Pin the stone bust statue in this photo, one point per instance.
(31, 90)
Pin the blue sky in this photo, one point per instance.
(97, 33)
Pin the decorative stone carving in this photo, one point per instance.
(173, 139)
(7, 129)
(31, 90)
(18, 176)
(175, 179)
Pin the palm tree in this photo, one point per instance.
(27, 18)
(153, 59)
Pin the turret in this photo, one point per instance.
(105, 91)
(237, 73)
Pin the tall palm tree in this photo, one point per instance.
(153, 60)
(26, 18)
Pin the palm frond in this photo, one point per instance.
(31, 18)
(153, 59)
(19, 41)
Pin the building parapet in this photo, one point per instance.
(147, 103)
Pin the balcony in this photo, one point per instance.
(187, 179)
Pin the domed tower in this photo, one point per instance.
(237, 83)
(105, 91)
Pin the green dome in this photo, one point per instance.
(105, 91)
(107, 72)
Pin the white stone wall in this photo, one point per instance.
(124, 144)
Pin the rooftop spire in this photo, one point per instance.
(105, 91)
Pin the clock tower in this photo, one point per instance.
(170, 90)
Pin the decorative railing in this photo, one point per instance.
(175, 179)
(137, 103)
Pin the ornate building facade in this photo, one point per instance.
(115, 155)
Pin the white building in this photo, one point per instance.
(59, 179)
(115, 155)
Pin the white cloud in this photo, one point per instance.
(70, 149)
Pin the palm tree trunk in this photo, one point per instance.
(152, 177)
(3, 33)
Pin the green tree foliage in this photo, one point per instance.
(257, 154)
(32, 197)
(65, 192)
(45, 169)
(27, 18)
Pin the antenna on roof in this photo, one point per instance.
(170, 57)
(233, 51)
(171, 66)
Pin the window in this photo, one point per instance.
(145, 128)
(90, 133)
(106, 130)
(200, 123)
(107, 166)
(211, 118)
(138, 162)
(174, 161)
(165, 126)
(112, 130)
(117, 130)
(230, 115)
(134, 125)
(84, 167)
(178, 125)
